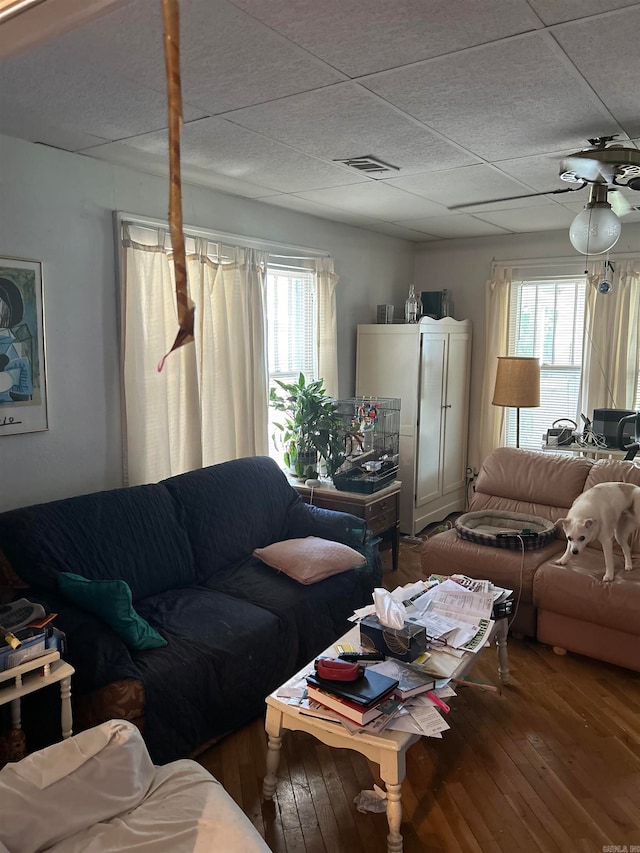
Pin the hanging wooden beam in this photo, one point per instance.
(171, 22)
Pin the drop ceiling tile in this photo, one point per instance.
(460, 225)
(346, 120)
(555, 11)
(45, 87)
(460, 186)
(551, 217)
(362, 37)
(405, 233)
(376, 199)
(541, 172)
(32, 128)
(515, 98)
(303, 205)
(158, 164)
(507, 204)
(239, 153)
(605, 51)
(228, 59)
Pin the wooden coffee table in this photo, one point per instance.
(388, 749)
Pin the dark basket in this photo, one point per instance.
(363, 483)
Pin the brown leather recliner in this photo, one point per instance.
(566, 606)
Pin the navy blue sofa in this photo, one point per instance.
(235, 627)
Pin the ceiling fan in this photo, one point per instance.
(605, 168)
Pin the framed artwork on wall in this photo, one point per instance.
(23, 383)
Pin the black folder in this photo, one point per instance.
(367, 690)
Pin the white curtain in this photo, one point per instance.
(209, 403)
(327, 325)
(498, 300)
(611, 349)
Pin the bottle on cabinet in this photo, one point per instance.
(411, 306)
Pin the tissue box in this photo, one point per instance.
(405, 643)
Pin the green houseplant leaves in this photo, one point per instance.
(310, 428)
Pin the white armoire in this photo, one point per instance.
(426, 365)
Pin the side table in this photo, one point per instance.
(33, 675)
(381, 509)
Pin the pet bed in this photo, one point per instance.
(503, 529)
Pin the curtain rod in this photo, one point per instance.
(547, 262)
(221, 236)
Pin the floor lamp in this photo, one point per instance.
(517, 385)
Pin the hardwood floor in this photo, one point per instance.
(552, 763)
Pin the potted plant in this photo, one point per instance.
(310, 429)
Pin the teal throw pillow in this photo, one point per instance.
(111, 601)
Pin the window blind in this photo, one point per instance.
(546, 321)
(292, 344)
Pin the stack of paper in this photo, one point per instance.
(452, 612)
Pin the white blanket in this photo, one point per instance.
(99, 792)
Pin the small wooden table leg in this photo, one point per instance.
(16, 722)
(392, 771)
(66, 718)
(273, 726)
(502, 629)
(394, 817)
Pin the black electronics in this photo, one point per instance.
(631, 447)
(436, 304)
(362, 657)
(605, 424)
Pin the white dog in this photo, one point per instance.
(603, 512)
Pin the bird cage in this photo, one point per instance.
(371, 435)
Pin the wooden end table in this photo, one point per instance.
(388, 749)
(381, 509)
(33, 675)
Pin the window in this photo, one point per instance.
(546, 320)
(291, 331)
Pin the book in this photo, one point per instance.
(356, 713)
(411, 682)
(367, 690)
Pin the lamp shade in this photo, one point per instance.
(595, 230)
(517, 382)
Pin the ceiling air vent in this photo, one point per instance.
(370, 165)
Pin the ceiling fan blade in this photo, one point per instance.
(619, 203)
(515, 197)
(588, 169)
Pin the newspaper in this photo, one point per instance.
(472, 584)
(453, 601)
(423, 718)
(454, 611)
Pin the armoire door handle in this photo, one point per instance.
(448, 406)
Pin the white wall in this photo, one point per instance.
(464, 266)
(57, 208)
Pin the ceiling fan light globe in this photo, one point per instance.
(594, 231)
